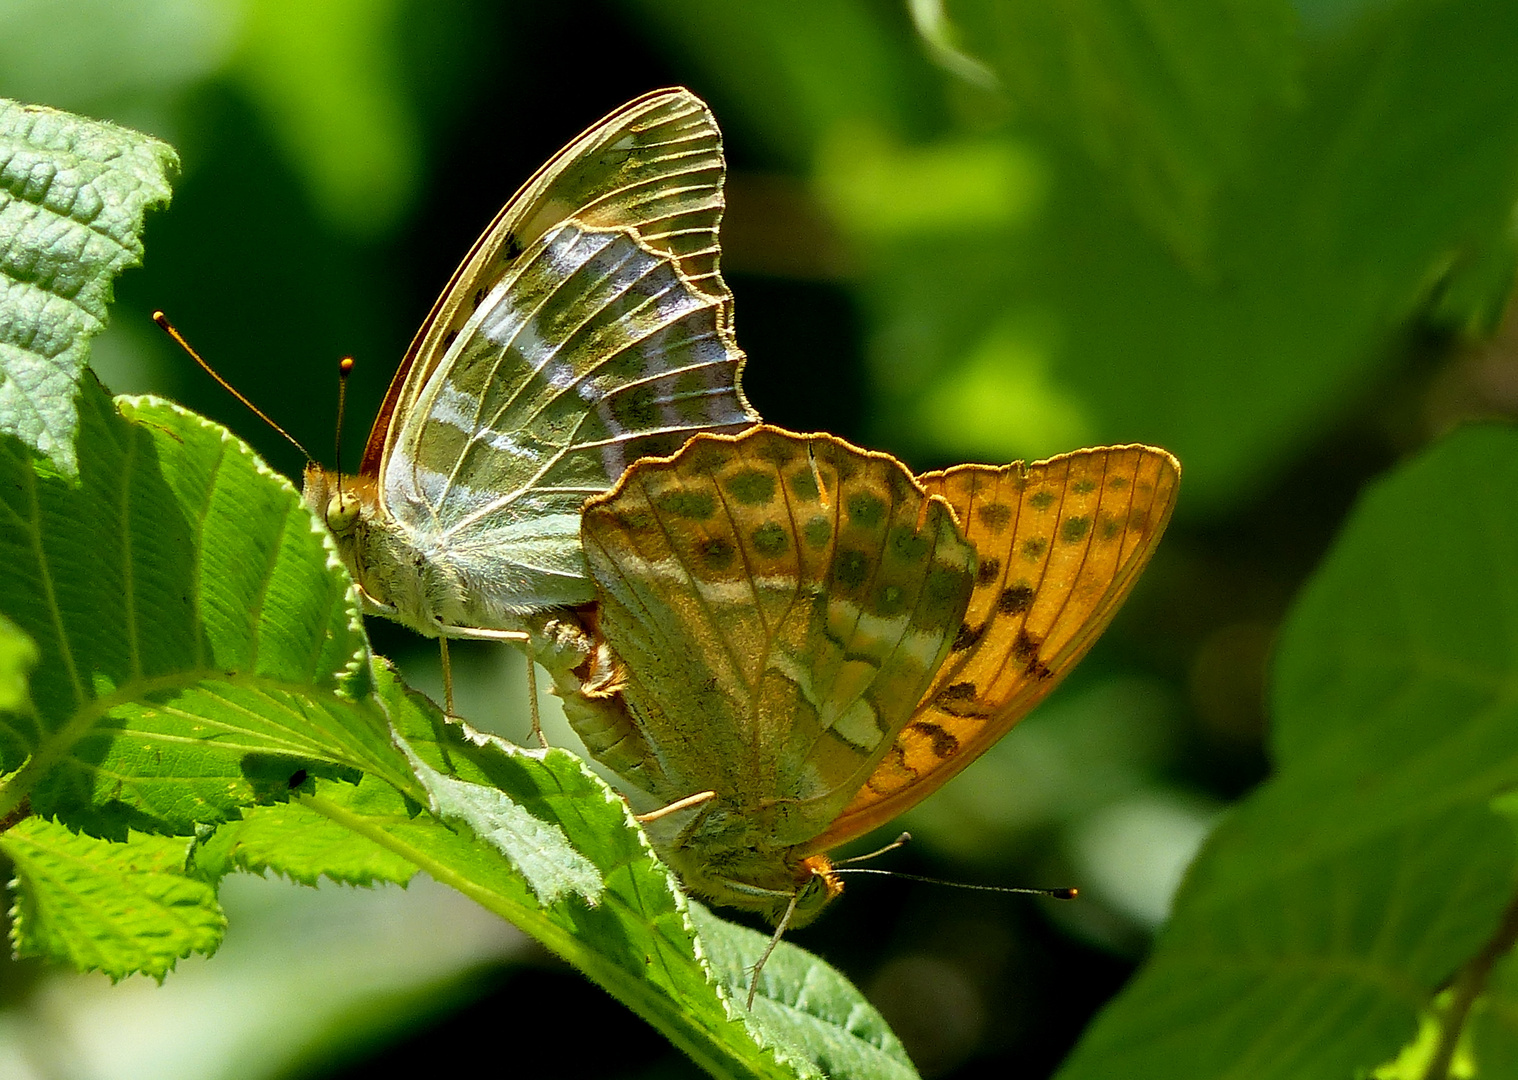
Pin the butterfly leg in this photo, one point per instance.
(447, 677)
(532, 695)
(675, 807)
(785, 920)
(481, 633)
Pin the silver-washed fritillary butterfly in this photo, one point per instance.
(821, 639)
(589, 326)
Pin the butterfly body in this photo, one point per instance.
(588, 327)
(821, 639)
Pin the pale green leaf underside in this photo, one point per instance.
(536, 849)
(72, 197)
(119, 908)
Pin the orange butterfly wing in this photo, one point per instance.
(1060, 544)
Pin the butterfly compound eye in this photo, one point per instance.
(342, 513)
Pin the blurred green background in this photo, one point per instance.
(1275, 238)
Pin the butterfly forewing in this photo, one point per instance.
(1060, 544)
(654, 166)
(779, 602)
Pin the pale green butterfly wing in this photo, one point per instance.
(654, 165)
(590, 326)
(591, 352)
(780, 602)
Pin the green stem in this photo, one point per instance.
(1466, 988)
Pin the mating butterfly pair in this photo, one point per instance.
(800, 628)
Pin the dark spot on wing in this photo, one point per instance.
(944, 744)
(1015, 599)
(994, 516)
(770, 539)
(751, 487)
(866, 509)
(693, 505)
(1074, 529)
(953, 698)
(717, 553)
(988, 571)
(852, 568)
(968, 635)
(1026, 646)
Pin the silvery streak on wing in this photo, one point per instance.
(491, 410)
(587, 327)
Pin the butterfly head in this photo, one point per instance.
(338, 502)
(721, 859)
(820, 888)
(343, 505)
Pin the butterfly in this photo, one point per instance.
(809, 639)
(589, 326)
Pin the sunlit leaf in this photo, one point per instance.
(72, 197)
(97, 905)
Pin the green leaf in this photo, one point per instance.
(802, 1003)
(327, 76)
(637, 940)
(1494, 1022)
(197, 643)
(120, 908)
(1159, 96)
(537, 849)
(305, 846)
(1326, 911)
(72, 197)
(793, 73)
(1237, 225)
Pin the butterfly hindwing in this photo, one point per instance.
(655, 166)
(589, 326)
(779, 603)
(592, 351)
(1060, 544)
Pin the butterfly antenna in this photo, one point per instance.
(344, 369)
(1056, 894)
(168, 328)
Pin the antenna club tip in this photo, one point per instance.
(160, 318)
(345, 365)
(1064, 894)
